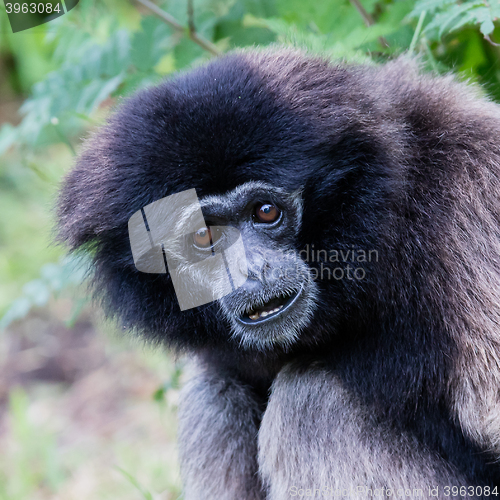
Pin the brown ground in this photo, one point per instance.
(77, 414)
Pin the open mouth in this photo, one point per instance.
(270, 310)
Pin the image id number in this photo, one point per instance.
(32, 8)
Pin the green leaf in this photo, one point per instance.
(38, 292)
(451, 16)
(8, 136)
(468, 18)
(429, 6)
(70, 271)
(487, 27)
(150, 44)
(52, 274)
(18, 310)
(78, 85)
(453, 13)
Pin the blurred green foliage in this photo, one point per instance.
(94, 54)
(70, 271)
(69, 72)
(48, 452)
(35, 461)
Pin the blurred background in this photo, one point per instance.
(86, 412)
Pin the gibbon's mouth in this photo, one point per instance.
(271, 309)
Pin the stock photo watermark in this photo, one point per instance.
(448, 491)
(24, 15)
(208, 263)
(332, 264)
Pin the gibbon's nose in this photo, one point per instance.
(259, 274)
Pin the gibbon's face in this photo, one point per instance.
(213, 202)
(277, 299)
(237, 248)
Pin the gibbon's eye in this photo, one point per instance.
(266, 213)
(203, 237)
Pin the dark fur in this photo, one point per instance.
(396, 380)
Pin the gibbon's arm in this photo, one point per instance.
(317, 440)
(219, 419)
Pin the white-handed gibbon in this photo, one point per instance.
(352, 349)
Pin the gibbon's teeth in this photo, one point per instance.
(256, 315)
(271, 309)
